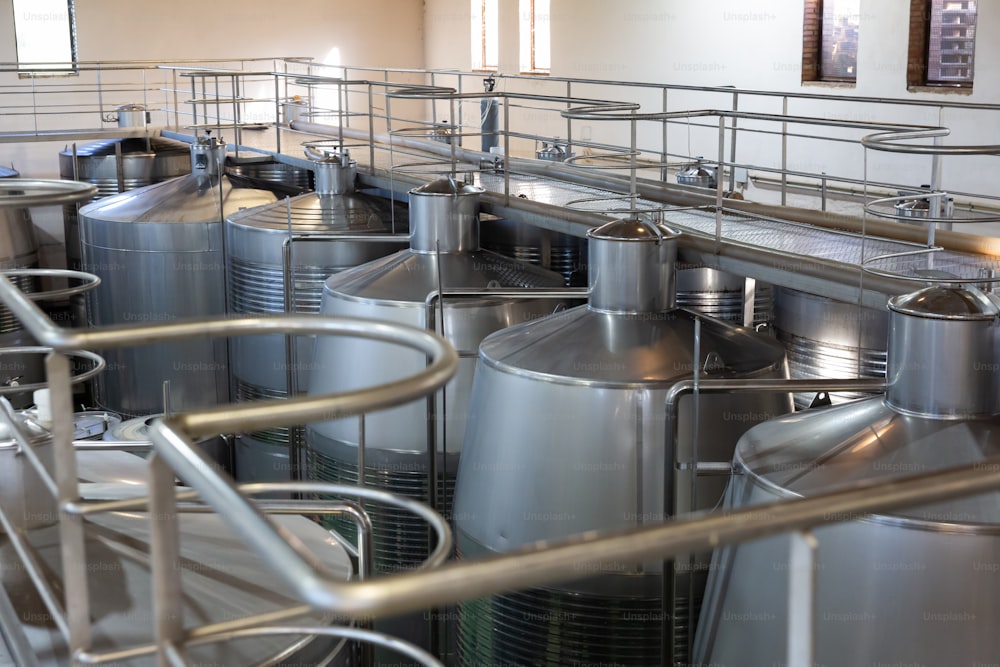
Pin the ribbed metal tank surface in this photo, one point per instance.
(566, 436)
(829, 339)
(18, 250)
(256, 241)
(444, 253)
(144, 161)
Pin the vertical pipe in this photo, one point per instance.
(173, 87)
(506, 152)
(732, 145)
(749, 301)
(633, 162)
(784, 153)
(71, 526)
(119, 167)
(822, 192)
(664, 154)
(291, 342)
(801, 599)
(237, 130)
(718, 183)
(569, 121)
(371, 134)
(277, 111)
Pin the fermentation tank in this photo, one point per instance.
(824, 338)
(562, 253)
(266, 173)
(914, 587)
(18, 250)
(115, 166)
(723, 295)
(257, 240)
(566, 435)
(159, 252)
(444, 252)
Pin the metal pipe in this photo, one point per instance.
(661, 192)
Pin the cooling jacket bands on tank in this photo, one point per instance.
(444, 254)
(916, 586)
(565, 436)
(318, 234)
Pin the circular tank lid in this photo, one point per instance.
(633, 229)
(447, 186)
(131, 107)
(946, 303)
(9, 172)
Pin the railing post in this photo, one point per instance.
(164, 548)
(72, 544)
(784, 152)
(732, 145)
(801, 599)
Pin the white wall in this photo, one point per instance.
(751, 45)
(377, 33)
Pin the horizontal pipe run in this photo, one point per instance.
(666, 193)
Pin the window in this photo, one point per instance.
(534, 32)
(942, 43)
(830, 40)
(485, 35)
(45, 33)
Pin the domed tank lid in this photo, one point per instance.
(9, 172)
(634, 228)
(335, 170)
(946, 303)
(444, 216)
(941, 359)
(632, 266)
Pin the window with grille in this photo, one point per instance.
(830, 40)
(951, 42)
(535, 37)
(45, 36)
(485, 35)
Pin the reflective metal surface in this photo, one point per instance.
(945, 358)
(160, 253)
(564, 254)
(923, 576)
(257, 240)
(697, 174)
(722, 295)
(829, 339)
(401, 288)
(565, 436)
(632, 267)
(221, 582)
(114, 166)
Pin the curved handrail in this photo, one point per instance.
(893, 142)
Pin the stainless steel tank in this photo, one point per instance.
(915, 587)
(266, 173)
(218, 448)
(566, 436)
(553, 152)
(256, 241)
(18, 250)
(444, 252)
(724, 295)
(697, 174)
(562, 253)
(115, 166)
(829, 339)
(159, 252)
